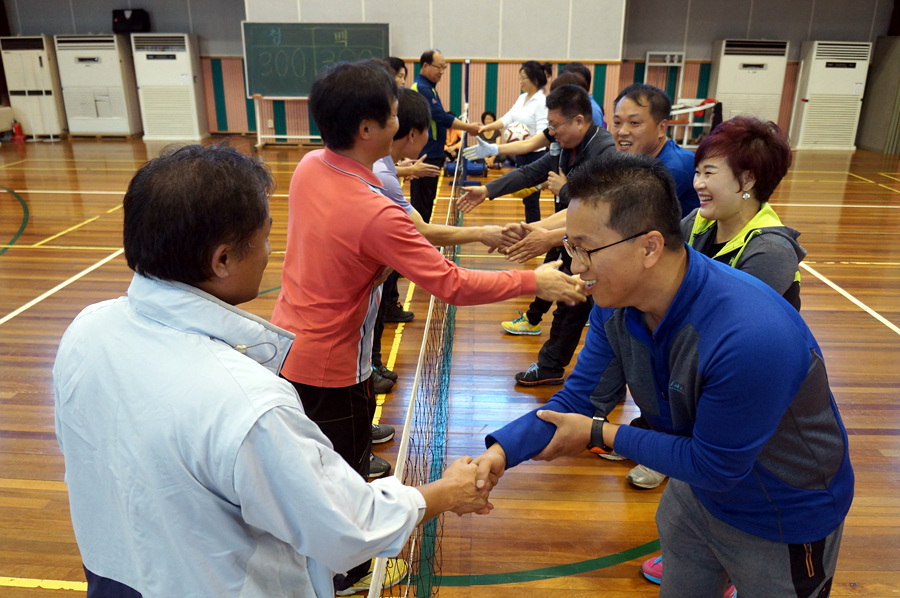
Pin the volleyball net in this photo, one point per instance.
(421, 458)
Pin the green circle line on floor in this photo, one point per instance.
(25, 215)
(494, 579)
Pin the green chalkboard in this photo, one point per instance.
(281, 60)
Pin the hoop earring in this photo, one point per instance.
(745, 195)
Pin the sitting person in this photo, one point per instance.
(192, 468)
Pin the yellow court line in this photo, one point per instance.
(890, 325)
(111, 210)
(14, 163)
(886, 175)
(827, 263)
(68, 230)
(888, 188)
(67, 247)
(860, 177)
(64, 191)
(98, 170)
(395, 349)
(47, 584)
(831, 205)
(60, 286)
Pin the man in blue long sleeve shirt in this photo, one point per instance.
(732, 384)
(422, 191)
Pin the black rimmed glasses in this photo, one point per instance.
(584, 255)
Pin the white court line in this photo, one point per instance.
(60, 286)
(853, 300)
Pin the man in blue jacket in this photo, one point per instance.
(730, 379)
(422, 191)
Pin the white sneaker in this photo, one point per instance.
(644, 477)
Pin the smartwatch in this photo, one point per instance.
(597, 446)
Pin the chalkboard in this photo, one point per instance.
(281, 60)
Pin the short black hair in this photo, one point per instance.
(569, 78)
(395, 64)
(412, 112)
(347, 94)
(578, 68)
(646, 95)
(428, 56)
(536, 72)
(182, 205)
(570, 100)
(639, 190)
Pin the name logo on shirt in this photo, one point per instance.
(676, 386)
(434, 100)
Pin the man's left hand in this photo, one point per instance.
(573, 434)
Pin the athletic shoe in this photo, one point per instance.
(378, 467)
(521, 325)
(613, 456)
(395, 313)
(385, 373)
(652, 570)
(380, 384)
(535, 376)
(644, 477)
(394, 572)
(381, 434)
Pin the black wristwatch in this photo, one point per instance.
(597, 446)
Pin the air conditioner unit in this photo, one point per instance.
(33, 82)
(829, 94)
(747, 77)
(170, 88)
(98, 85)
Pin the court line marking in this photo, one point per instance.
(14, 163)
(890, 325)
(47, 584)
(25, 218)
(68, 230)
(889, 176)
(889, 188)
(60, 286)
(860, 177)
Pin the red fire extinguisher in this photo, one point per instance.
(17, 132)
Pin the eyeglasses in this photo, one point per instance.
(441, 68)
(555, 128)
(584, 255)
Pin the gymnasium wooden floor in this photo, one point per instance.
(573, 526)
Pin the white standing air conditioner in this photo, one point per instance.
(829, 95)
(98, 85)
(747, 77)
(170, 88)
(33, 82)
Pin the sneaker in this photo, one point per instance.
(521, 325)
(381, 434)
(613, 456)
(534, 376)
(394, 573)
(395, 313)
(378, 467)
(385, 373)
(380, 384)
(652, 570)
(644, 477)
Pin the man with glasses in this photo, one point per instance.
(579, 138)
(423, 191)
(730, 379)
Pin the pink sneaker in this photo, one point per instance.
(652, 570)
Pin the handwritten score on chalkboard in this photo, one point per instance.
(281, 60)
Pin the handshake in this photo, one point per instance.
(465, 485)
(480, 151)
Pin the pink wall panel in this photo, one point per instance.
(235, 100)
